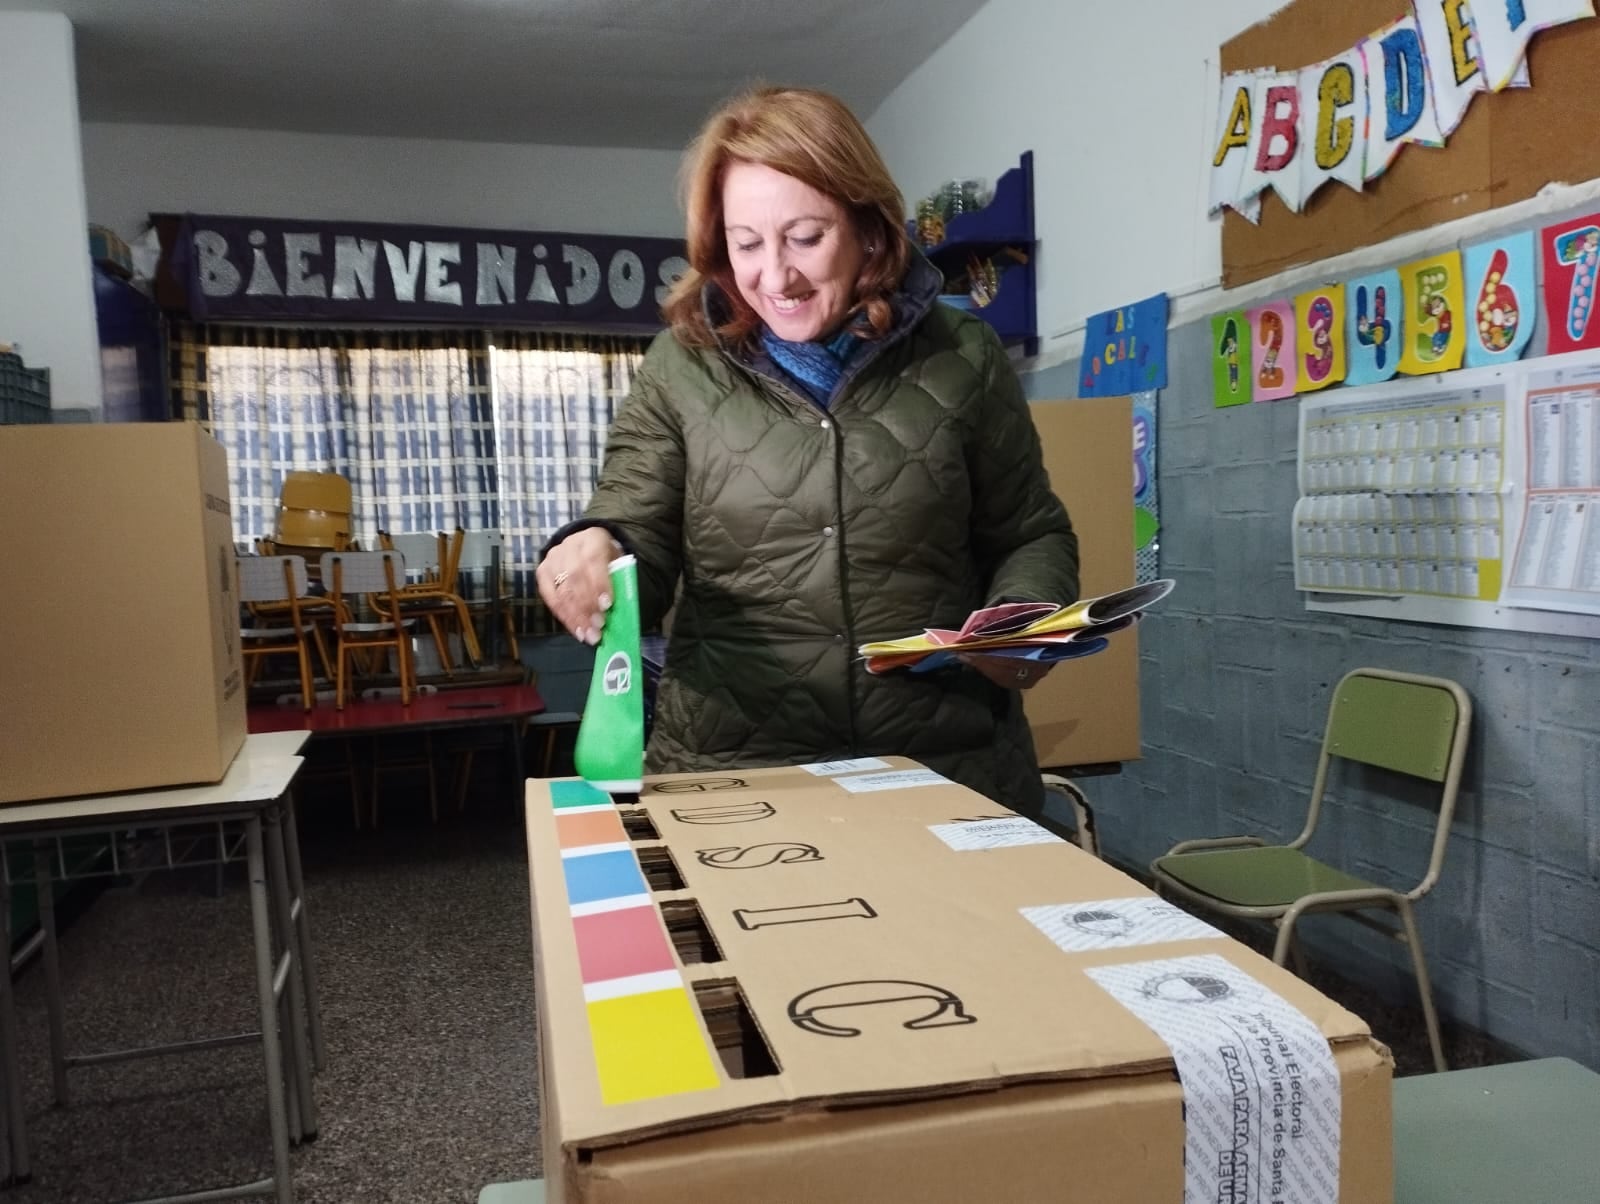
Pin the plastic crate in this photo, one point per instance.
(24, 392)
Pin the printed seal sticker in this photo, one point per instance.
(1261, 1102)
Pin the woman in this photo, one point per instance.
(817, 454)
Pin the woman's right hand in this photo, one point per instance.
(575, 581)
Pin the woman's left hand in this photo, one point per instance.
(1007, 672)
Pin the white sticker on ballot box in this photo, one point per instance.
(1115, 923)
(895, 779)
(993, 834)
(1261, 1108)
(827, 769)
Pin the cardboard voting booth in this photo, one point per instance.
(860, 981)
(119, 650)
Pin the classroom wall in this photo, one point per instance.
(1117, 102)
(1235, 677)
(133, 170)
(46, 294)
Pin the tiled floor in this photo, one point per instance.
(422, 938)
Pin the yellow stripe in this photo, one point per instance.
(649, 1045)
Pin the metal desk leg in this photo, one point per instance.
(15, 1121)
(302, 931)
(278, 879)
(261, 923)
(44, 884)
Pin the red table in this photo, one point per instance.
(472, 706)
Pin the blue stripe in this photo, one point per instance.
(602, 876)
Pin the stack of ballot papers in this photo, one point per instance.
(1036, 631)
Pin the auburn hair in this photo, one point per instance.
(814, 138)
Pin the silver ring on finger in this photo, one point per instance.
(561, 578)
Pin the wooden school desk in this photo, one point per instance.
(244, 814)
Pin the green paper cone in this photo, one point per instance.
(610, 749)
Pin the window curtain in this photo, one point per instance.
(433, 429)
(555, 397)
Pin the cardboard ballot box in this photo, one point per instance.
(119, 641)
(862, 982)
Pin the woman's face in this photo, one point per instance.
(794, 251)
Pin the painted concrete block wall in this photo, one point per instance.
(1235, 678)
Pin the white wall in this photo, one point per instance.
(46, 292)
(134, 170)
(1116, 101)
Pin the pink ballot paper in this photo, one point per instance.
(1038, 631)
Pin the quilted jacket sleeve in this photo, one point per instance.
(640, 494)
(1020, 530)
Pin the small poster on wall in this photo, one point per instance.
(1435, 340)
(1125, 349)
(1230, 358)
(1571, 265)
(1499, 278)
(1272, 344)
(1319, 317)
(1373, 328)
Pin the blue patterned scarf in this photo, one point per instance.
(815, 367)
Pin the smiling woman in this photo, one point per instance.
(816, 454)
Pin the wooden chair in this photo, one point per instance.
(280, 581)
(349, 574)
(1402, 722)
(435, 596)
(483, 552)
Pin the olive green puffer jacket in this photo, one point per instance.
(788, 535)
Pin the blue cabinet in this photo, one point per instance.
(1002, 234)
(132, 352)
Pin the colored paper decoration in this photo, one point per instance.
(1346, 118)
(1455, 75)
(1272, 343)
(1234, 109)
(1125, 349)
(1230, 358)
(1571, 268)
(1499, 281)
(1272, 158)
(1333, 122)
(1504, 28)
(1372, 328)
(1400, 109)
(1435, 339)
(1319, 315)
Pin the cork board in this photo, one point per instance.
(1510, 145)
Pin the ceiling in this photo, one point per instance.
(635, 73)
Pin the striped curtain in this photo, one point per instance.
(555, 397)
(433, 429)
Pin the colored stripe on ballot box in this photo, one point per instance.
(649, 1045)
(622, 944)
(585, 829)
(645, 1029)
(574, 793)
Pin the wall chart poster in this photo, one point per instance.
(1125, 349)
(1499, 282)
(1401, 495)
(1435, 339)
(1146, 498)
(1571, 266)
(1230, 358)
(1319, 318)
(1372, 342)
(1272, 343)
(1557, 563)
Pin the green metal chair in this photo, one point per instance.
(1402, 722)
